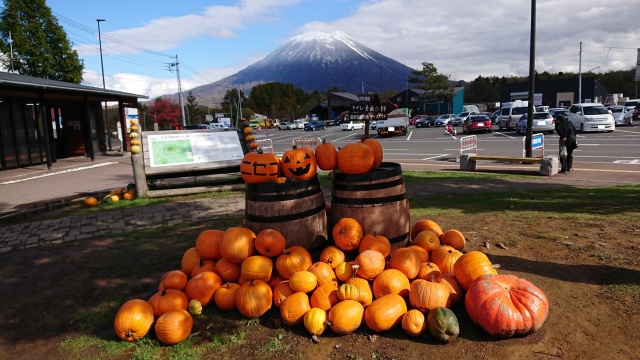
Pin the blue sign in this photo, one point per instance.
(537, 141)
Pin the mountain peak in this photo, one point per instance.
(322, 36)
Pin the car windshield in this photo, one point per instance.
(479, 118)
(519, 110)
(463, 114)
(595, 110)
(542, 116)
(616, 110)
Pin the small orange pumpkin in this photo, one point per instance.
(228, 271)
(407, 261)
(253, 298)
(425, 224)
(208, 244)
(326, 155)
(202, 287)
(445, 257)
(391, 281)
(332, 255)
(256, 267)
(91, 201)
(413, 323)
(303, 281)
(166, 300)
(453, 238)
(427, 240)
(270, 242)
(370, 263)
(385, 313)
(174, 326)
(347, 233)
(345, 317)
(325, 297)
(375, 242)
(280, 292)
(224, 297)
(377, 151)
(294, 308)
(293, 259)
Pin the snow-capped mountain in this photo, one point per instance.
(316, 61)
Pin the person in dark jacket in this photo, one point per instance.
(568, 142)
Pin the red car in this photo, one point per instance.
(476, 123)
(413, 120)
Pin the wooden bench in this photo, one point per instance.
(209, 152)
(548, 164)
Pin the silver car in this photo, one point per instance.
(543, 122)
(458, 120)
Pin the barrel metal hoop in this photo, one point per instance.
(369, 201)
(260, 197)
(386, 170)
(398, 239)
(278, 188)
(289, 217)
(367, 187)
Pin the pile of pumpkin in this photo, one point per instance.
(411, 287)
(115, 195)
(134, 137)
(250, 138)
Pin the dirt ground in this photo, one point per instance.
(590, 274)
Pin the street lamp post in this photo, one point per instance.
(106, 114)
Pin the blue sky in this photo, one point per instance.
(462, 38)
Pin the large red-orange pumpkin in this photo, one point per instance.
(166, 300)
(355, 158)
(294, 308)
(259, 167)
(470, 266)
(505, 305)
(253, 298)
(347, 233)
(391, 281)
(299, 163)
(385, 313)
(174, 326)
(326, 155)
(375, 242)
(345, 317)
(208, 244)
(270, 242)
(377, 151)
(428, 295)
(133, 320)
(370, 263)
(238, 243)
(202, 287)
(445, 257)
(293, 259)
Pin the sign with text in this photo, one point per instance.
(192, 148)
(365, 111)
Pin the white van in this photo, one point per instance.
(511, 112)
(591, 117)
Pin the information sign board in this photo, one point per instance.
(193, 148)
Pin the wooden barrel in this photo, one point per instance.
(377, 199)
(295, 208)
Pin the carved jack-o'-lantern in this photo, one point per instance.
(258, 167)
(299, 163)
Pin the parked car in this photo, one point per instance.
(196, 127)
(543, 122)
(425, 121)
(315, 125)
(510, 113)
(444, 119)
(618, 112)
(373, 125)
(591, 117)
(286, 125)
(460, 118)
(352, 125)
(413, 120)
(475, 123)
(558, 112)
(331, 122)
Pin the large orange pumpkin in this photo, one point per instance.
(202, 287)
(365, 295)
(173, 326)
(370, 263)
(445, 257)
(228, 271)
(385, 313)
(190, 259)
(453, 238)
(425, 224)
(391, 281)
(375, 242)
(133, 320)
(294, 308)
(345, 317)
(324, 297)
(173, 279)
(470, 266)
(258, 167)
(427, 240)
(280, 292)
(253, 298)
(238, 243)
(293, 259)
(407, 261)
(377, 151)
(208, 244)
(166, 300)
(224, 297)
(355, 158)
(326, 155)
(270, 242)
(299, 163)
(427, 295)
(324, 273)
(347, 233)
(505, 305)
(332, 255)
(256, 267)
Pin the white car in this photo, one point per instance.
(285, 125)
(591, 117)
(618, 113)
(372, 125)
(352, 125)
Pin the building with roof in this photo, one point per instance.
(44, 120)
(419, 102)
(556, 93)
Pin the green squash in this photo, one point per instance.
(442, 324)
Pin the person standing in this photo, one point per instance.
(568, 142)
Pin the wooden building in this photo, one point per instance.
(44, 120)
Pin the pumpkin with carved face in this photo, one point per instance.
(258, 167)
(299, 163)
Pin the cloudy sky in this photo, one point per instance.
(462, 38)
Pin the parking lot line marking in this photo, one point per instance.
(410, 134)
(505, 135)
(59, 172)
(436, 156)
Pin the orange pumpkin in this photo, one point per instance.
(355, 158)
(470, 266)
(270, 242)
(324, 297)
(344, 271)
(326, 155)
(166, 300)
(237, 244)
(258, 167)
(413, 323)
(205, 265)
(202, 287)
(224, 297)
(293, 259)
(377, 151)
(91, 201)
(407, 261)
(370, 263)
(425, 224)
(173, 279)
(253, 298)
(445, 257)
(427, 295)
(427, 240)
(228, 271)
(299, 163)
(347, 233)
(345, 317)
(455, 290)
(332, 255)
(190, 259)
(208, 244)
(280, 292)
(391, 281)
(422, 253)
(365, 296)
(453, 238)
(375, 242)
(133, 320)
(324, 273)
(385, 313)
(294, 308)
(303, 281)
(428, 271)
(173, 326)
(256, 267)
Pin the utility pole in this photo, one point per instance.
(580, 75)
(106, 112)
(532, 81)
(177, 65)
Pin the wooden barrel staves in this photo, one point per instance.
(377, 199)
(296, 208)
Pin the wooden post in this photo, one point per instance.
(137, 162)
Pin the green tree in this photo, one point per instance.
(192, 109)
(40, 45)
(437, 86)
